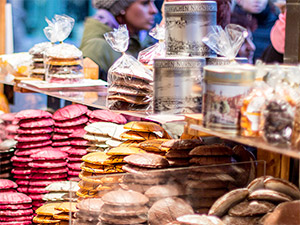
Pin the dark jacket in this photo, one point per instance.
(94, 46)
(264, 23)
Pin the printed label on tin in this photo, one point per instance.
(196, 7)
(222, 105)
(177, 91)
(184, 35)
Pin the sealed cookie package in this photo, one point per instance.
(63, 62)
(227, 42)
(278, 118)
(130, 82)
(251, 111)
(37, 68)
(147, 55)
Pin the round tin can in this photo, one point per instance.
(224, 89)
(178, 85)
(187, 22)
(224, 61)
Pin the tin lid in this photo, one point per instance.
(179, 62)
(179, 7)
(224, 60)
(230, 73)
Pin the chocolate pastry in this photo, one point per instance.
(251, 208)
(211, 150)
(224, 203)
(182, 144)
(278, 122)
(124, 198)
(179, 162)
(163, 191)
(108, 219)
(282, 186)
(207, 193)
(124, 210)
(210, 160)
(134, 83)
(199, 220)
(239, 220)
(284, 213)
(269, 195)
(118, 89)
(177, 154)
(167, 210)
(147, 160)
(92, 206)
(138, 100)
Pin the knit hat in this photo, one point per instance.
(278, 34)
(114, 6)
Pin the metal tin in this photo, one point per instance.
(187, 22)
(177, 85)
(224, 89)
(224, 61)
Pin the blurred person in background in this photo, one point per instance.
(275, 51)
(138, 15)
(248, 48)
(262, 14)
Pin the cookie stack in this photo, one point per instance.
(34, 135)
(143, 173)
(61, 191)
(211, 154)
(140, 131)
(48, 166)
(66, 121)
(88, 211)
(130, 91)
(67, 211)
(55, 213)
(6, 153)
(78, 146)
(103, 135)
(15, 208)
(64, 64)
(124, 207)
(178, 153)
(68, 133)
(254, 204)
(154, 146)
(97, 164)
(37, 52)
(45, 214)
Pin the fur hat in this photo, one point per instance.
(114, 6)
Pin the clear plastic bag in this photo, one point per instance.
(251, 111)
(278, 117)
(226, 42)
(157, 50)
(63, 62)
(130, 82)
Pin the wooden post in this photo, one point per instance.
(2, 26)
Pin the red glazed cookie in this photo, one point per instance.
(6, 184)
(32, 114)
(70, 112)
(14, 198)
(35, 123)
(49, 155)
